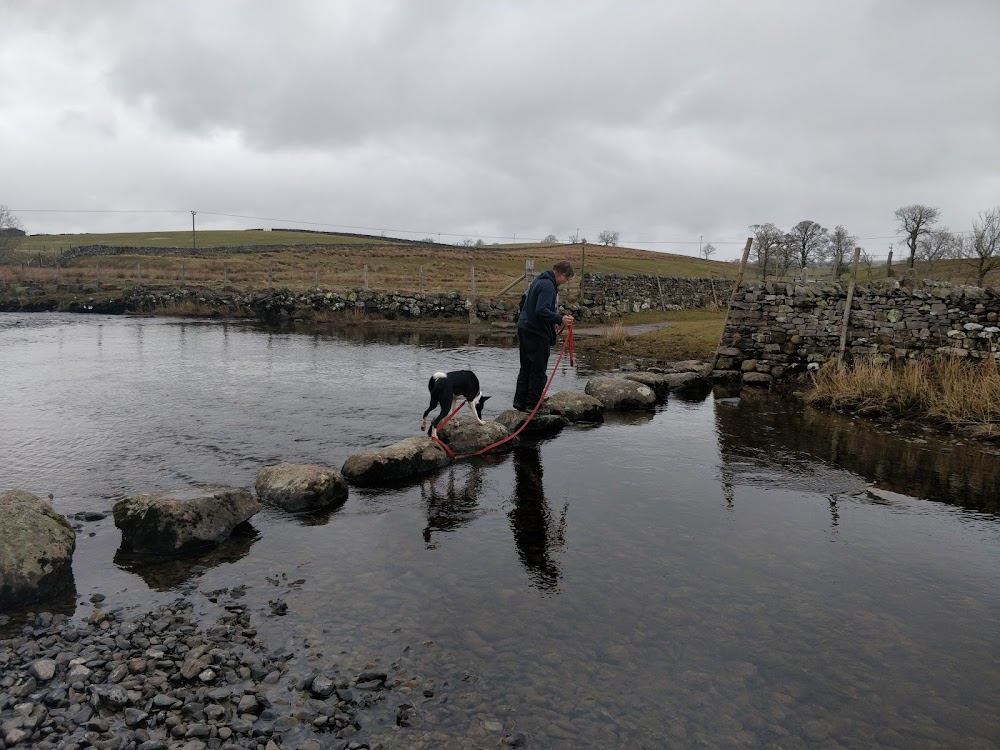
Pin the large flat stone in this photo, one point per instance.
(175, 520)
(574, 406)
(412, 457)
(465, 435)
(621, 393)
(300, 487)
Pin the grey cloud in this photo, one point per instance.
(660, 120)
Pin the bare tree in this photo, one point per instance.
(574, 238)
(608, 238)
(11, 233)
(984, 244)
(868, 262)
(840, 245)
(809, 239)
(914, 221)
(767, 238)
(938, 244)
(708, 250)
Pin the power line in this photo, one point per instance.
(639, 241)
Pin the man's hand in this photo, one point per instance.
(567, 320)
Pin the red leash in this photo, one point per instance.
(567, 344)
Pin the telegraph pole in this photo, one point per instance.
(194, 244)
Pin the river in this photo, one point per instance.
(721, 573)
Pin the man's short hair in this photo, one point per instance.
(564, 267)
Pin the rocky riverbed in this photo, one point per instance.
(165, 679)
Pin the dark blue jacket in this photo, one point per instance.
(539, 315)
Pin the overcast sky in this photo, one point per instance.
(665, 121)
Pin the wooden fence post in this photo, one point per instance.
(270, 277)
(732, 296)
(366, 276)
(473, 281)
(889, 273)
(847, 305)
(98, 277)
(421, 278)
(529, 272)
(315, 277)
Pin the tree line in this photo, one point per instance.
(777, 252)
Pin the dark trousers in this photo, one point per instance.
(531, 377)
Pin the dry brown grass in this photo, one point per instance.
(948, 391)
(404, 268)
(615, 334)
(689, 334)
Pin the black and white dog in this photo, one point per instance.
(445, 388)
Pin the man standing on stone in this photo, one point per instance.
(537, 326)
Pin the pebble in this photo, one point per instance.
(159, 679)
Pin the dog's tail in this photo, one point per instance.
(436, 376)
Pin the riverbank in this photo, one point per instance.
(950, 394)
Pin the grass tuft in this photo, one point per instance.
(947, 391)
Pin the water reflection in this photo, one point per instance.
(165, 573)
(319, 517)
(762, 436)
(451, 500)
(369, 333)
(538, 535)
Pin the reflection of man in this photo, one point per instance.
(537, 327)
(535, 533)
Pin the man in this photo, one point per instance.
(537, 327)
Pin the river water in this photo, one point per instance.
(722, 573)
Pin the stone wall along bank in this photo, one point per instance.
(604, 296)
(777, 329)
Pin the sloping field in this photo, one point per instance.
(48, 244)
(339, 262)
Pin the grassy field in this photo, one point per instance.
(340, 263)
(49, 245)
(691, 334)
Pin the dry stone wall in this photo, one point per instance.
(777, 329)
(604, 297)
(614, 294)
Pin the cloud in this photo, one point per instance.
(662, 121)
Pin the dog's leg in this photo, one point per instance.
(423, 421)
(472, 406)
(445, 411)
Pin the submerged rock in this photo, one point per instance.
(406, 459)
(300, 487)
(574, 406)
(621, 393)
(36, 549)
(170, 521)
